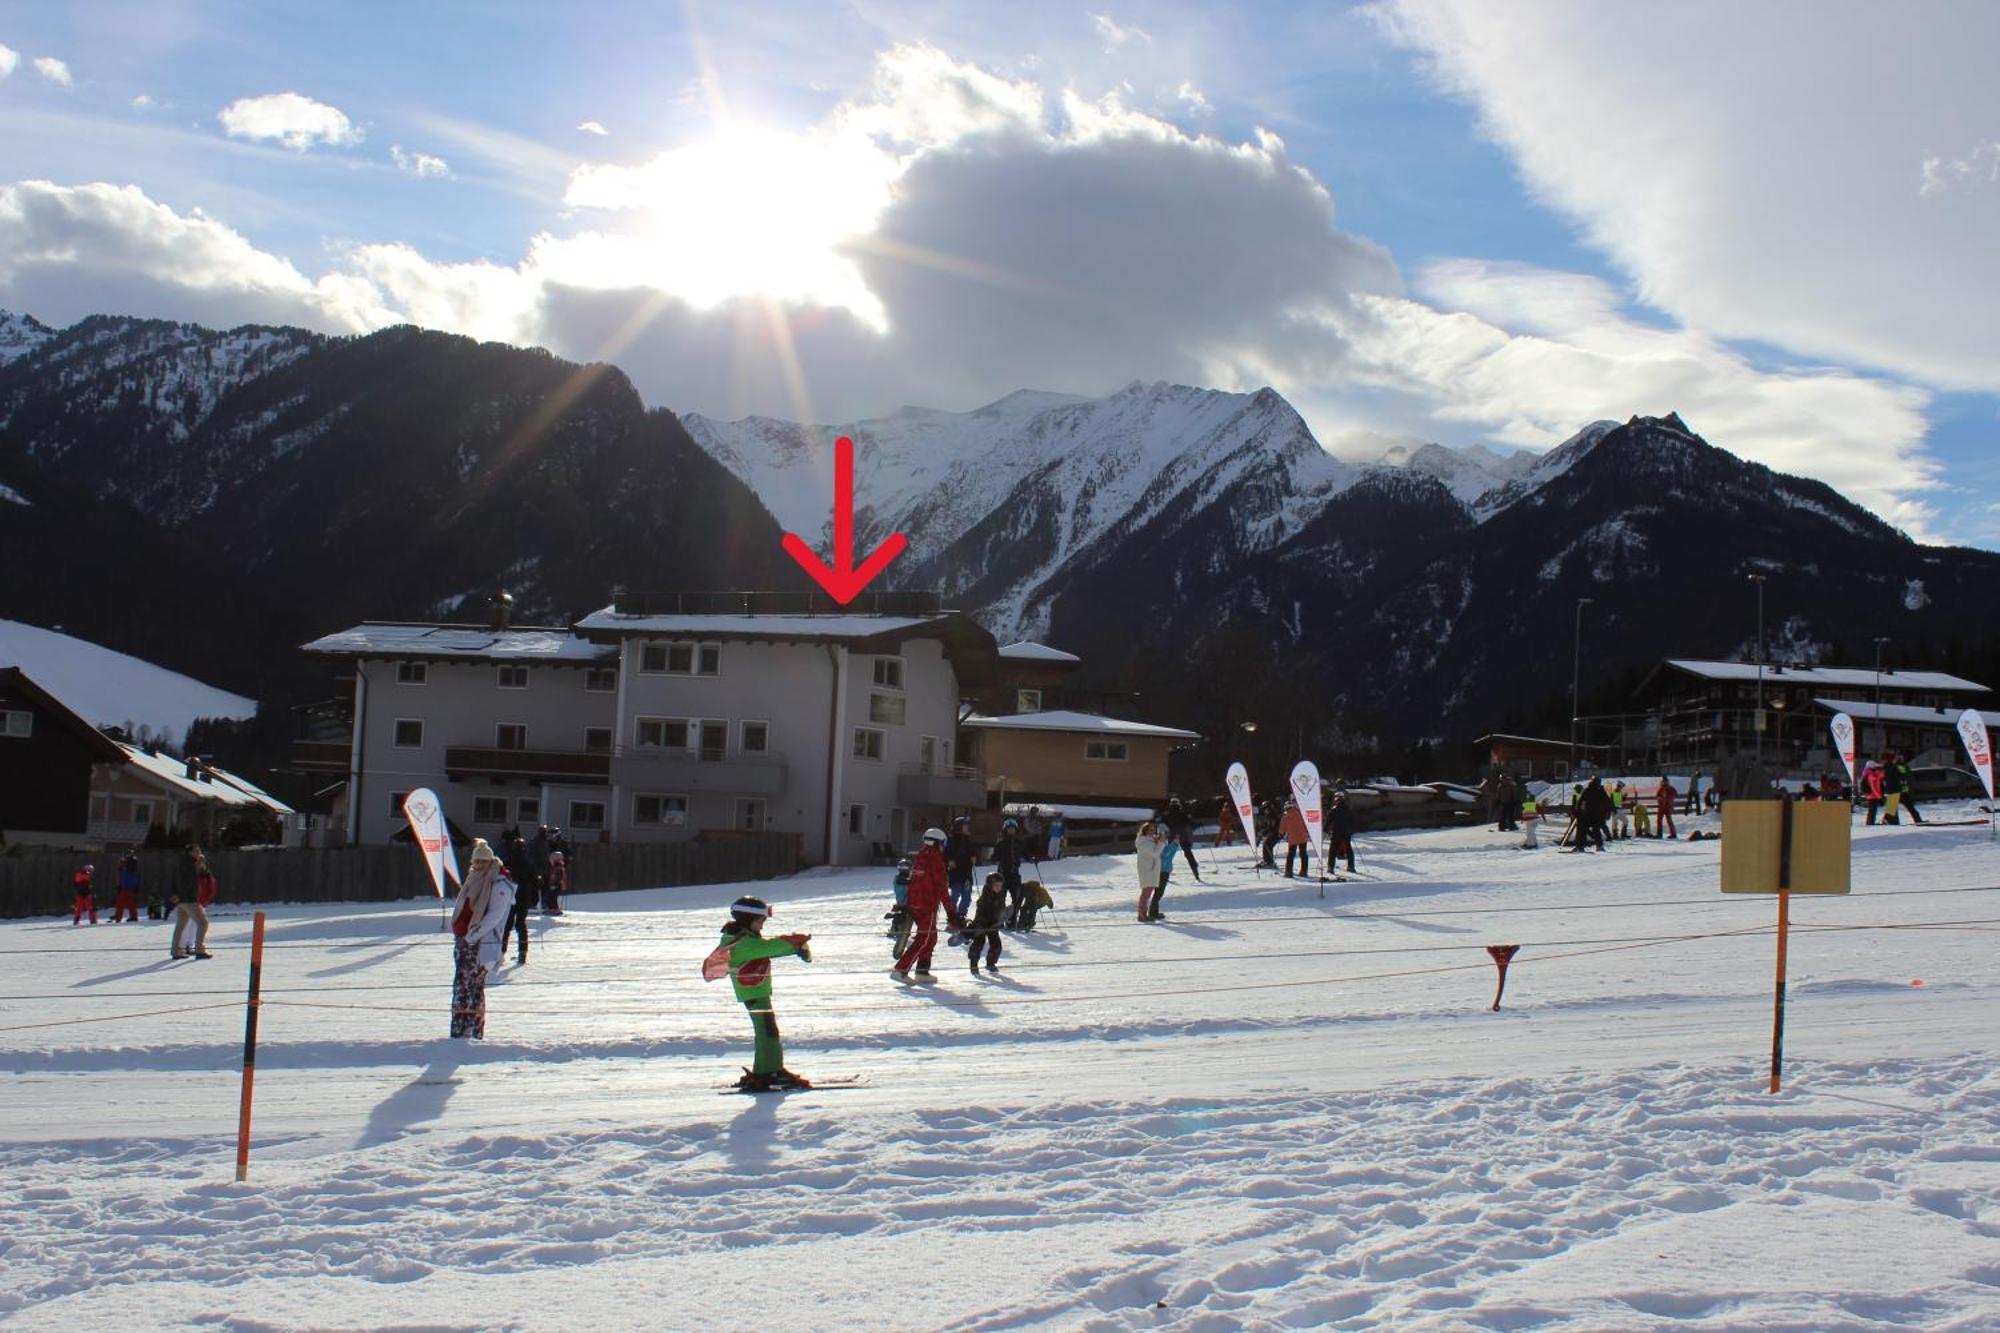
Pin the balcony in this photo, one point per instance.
(649, 768)
(320, 756)
(463, 761)
(941, 784)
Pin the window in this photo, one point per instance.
(889, 672)
(586, 814)
(513, 676)
(409, 732)
(710, 663)
(660, 811)
(1027, 701)
(413, 673)
(17, 723)
(528, 810)
(667, 733)
(675, 659)
(396, 799)
(1114, 751)
(714, 741)
(597, 740)
(886, 709)
(489, 809)
(750, 814)
(867, 743)
(510, 736)
(601, 680)
(755, 738)
(142, 812)
(857, 820)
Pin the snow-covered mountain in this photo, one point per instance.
(20, 335)
(107, 688)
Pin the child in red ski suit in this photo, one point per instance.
(929, 891)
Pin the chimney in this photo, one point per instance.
(192, 772)
(502, 607)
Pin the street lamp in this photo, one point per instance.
(1758, 579)
(1881, 739)
(1575, 677)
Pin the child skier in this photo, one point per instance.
(126, 905)
(745, 955)
(898, 916)
(1530, 816)
(86, 896)
(557, 886)
(984, 930)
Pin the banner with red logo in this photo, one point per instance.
(1305, 790)
(1238, 779)
(427, 826)
(1842, 727)
(1978, 746)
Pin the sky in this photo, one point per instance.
(1417, 219)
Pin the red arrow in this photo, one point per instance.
(843, 581)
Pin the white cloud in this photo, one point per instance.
(418, 164)
(143, 102)
(1757, 178)
(592, 127)
(9, 58)
(1978, 166)
(55, 71)
(292, 120)
(1196, 100)
(1116, 34)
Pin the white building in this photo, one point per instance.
(659, 717)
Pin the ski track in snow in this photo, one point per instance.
(1600, 1154)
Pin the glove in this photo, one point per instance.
(799, 942)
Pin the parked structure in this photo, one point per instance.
(1057, 757)
(1537, 758)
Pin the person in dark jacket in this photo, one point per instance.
(190, 917)
(1180, 827)
(1272, 826)
(1900, 766)
(1340, 830)
(527, 890)
(1507, 795)
(959, 858)
(984, 930)
(1593, 815)
(1007, 860)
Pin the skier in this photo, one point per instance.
(1169, 849)
(1340, 830)
(1529, 817)
(746, 956)
(558, 885)
(927, 895)
(1871, 788)
(1180, 827)
(1296, 839)
(1621, 816)
(520, 869)
(1147, 846)
(1901, 768)
(128, 889)
(1057, 831)
(1007, 860)
(1642, 824)
(1594, 813)
(86, 896)
(898, 915)
(190, 917)
(1034, 897)
(1269, 821)
(984, 930)
(959, 858)
(1663, 808)
(485, 902)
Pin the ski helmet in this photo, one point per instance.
(749, 909)
(934, 835)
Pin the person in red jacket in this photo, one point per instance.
(86, 896)
(929, 890)
(1663, 806)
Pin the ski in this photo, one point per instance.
(818, 1085)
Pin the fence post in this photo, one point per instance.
(250, 1046)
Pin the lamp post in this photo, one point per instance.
(1881, 739)
(1575, 678)
(1758, 579)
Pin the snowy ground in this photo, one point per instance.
(1274, 1111)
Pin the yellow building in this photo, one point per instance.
(1059, 756)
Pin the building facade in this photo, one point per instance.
(1061, 757)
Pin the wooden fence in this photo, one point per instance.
(39, 883)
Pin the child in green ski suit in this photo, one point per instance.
(746, 956)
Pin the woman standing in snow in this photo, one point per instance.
(485, 901)
(1148, 846)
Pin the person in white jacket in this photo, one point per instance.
(1148, 846)
(479, 927)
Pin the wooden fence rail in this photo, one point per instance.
(39, 883)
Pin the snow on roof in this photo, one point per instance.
(1066, 720)
(377, 639)
(1027, 651)
(1826, 675)
(755, 627)
(1862, 710)
(225, 789)
(110, 689)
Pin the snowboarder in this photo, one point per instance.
(984, 930)
(190, 917)
(127, 901)
(1663, 808)
(1340, 830)
(927, 894)
(745, 956)
(479, 927)
(1297, 840)
(86, 895)
(1148, 847)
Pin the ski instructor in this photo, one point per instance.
(746, 956)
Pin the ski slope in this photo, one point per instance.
(1274, 1110)
(112, 689)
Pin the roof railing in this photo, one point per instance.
(630, 602)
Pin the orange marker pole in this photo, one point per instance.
(1778, 1010)
(251, 1005)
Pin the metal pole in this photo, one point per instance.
(251, 1007)
(1881, 740)
(1575, 679)
(1778, 1004)
(1758, 579)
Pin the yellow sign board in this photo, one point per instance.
(1755, 855)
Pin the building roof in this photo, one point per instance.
(224, 788)
(1066, 720)
(461, 642)
(1027, 651)
(102, 747)
(616, 623)
(1826, 675)
(1862, 710)
(1538, 740)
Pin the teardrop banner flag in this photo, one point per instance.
(426, 818)
(1305, 790)
(1842, 728)
(1978, 747)
(1238, 779)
